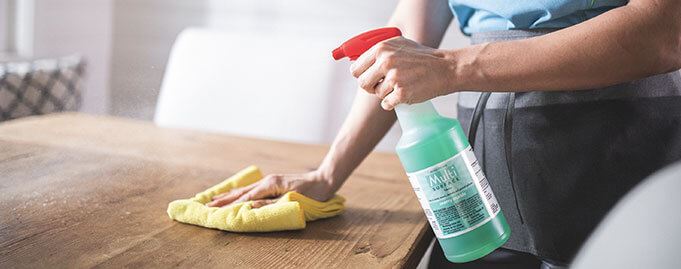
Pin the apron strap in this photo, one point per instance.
(508, 147)
(507, 136)
(477, 115)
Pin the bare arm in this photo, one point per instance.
(420, 20)
(640, 39)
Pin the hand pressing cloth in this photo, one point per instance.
(290, 212)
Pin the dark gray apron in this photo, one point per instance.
(574, 153)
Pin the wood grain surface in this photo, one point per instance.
(88, 191)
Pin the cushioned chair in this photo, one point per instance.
(269, 86)
(643, 230)
(40, 86)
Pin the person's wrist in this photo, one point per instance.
(462, 68)
(329, 176)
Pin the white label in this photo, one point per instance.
(455, 195)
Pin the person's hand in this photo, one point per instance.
(399, 70)
(264, 192)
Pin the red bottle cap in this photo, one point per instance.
(357, 45)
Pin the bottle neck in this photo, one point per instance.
(414, 115)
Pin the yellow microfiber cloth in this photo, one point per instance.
(290, 212)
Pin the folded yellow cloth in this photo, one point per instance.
(289, 212)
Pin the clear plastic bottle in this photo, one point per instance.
(449, 184)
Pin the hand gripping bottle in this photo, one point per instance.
(443, 171)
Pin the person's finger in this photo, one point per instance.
(365, 60)
(384, 87)
(260, 192)
(241, 190)
(229, 197)
(222, 201)
(262, 202)
(370, 78)
(391, 100)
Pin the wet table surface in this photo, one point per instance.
(90, 191)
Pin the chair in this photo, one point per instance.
(642, 231)
(269, 86)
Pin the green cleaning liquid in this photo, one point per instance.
(449, 184)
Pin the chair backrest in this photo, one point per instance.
(269, 86)
(642, 231)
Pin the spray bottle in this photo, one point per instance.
(443, 171)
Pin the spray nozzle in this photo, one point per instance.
(357, 45)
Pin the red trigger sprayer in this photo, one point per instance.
(443, 171)
(354, 47)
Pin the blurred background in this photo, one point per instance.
(252, 68)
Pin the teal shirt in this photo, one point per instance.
(493, 15)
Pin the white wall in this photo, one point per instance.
(4, 24)
(64, 27)
(144, 31)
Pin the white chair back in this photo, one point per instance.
(642, 231)
(267, 86)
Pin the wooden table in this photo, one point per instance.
(87, 191)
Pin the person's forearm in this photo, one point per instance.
(366, 124)
(624, 44)
(364, 127)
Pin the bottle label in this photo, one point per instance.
(455, 195)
